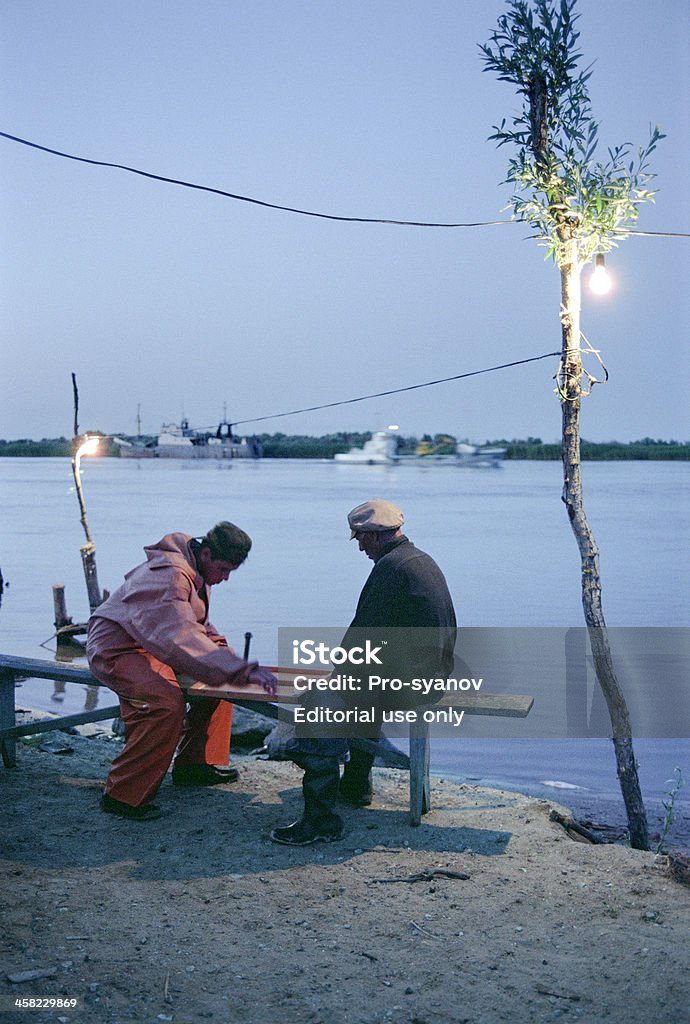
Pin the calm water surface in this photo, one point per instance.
(501, 536)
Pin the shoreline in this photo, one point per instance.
(488, 906)
(603, 813)
(516, 451)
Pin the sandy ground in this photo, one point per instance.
(199, 917)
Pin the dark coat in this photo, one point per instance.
(407, 593)
(405, 606)
(405, 588)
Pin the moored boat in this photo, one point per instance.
(473, 455)
(182, 442)
(380, 450)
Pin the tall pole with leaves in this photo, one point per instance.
(578, 208)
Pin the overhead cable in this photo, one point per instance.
(248, 199)
(395, 391)
(306, 213)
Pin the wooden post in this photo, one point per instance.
(8, 745)
(571, 390)
(60, 606)
(420, 794)
(88, 560)
(88, 552)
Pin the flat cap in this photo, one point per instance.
(374, 516)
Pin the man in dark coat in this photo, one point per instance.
(405, 592)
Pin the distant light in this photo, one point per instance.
(600, 282)
(89, 446)
(393, 426)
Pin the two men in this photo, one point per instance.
(154, 626)
(407, 594)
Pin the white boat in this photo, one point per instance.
(380, 450)
(445, 449)
(182, 442)
(464, 455)
(472, 455)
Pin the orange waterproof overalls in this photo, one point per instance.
(154, 625)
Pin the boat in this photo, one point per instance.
(472, 455)
(380, 450)
(462, 454)
(447, 452)
(182, 442)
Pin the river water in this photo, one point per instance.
(501, 537)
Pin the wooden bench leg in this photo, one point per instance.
(8, 745)
(420, 798)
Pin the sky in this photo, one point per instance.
(171, 302)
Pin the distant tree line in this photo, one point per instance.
(598, 451)
(52, 447)
(303, 446)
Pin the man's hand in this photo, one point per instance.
(262, 677)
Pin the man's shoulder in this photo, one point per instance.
(405, 553)
(410, 568)
(174, 547)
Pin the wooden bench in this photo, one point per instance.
(253, 698)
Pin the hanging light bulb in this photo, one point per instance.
(600, 282)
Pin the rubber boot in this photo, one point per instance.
(319, 822)
(356, 786)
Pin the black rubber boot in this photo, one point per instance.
(319, 823)
(203, 775)
(355, 785)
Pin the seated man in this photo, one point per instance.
(155, 625)
(407, 592)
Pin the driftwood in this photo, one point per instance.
(589, 831)
(424, 876)
(678, 867)
(544, 991)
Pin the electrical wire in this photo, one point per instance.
(306, 213)
(651, 234)
(249, 199)
(393, 391)
(303, 213)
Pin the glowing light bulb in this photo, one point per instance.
(89, 446)
(600, 282)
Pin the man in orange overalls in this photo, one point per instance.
(155, 625)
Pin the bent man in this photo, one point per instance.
(407, 592)
(154, 626)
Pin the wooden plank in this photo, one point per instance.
(34, 669)
(66, 722)
(496, 704)
(507, 705)
(236, 694)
